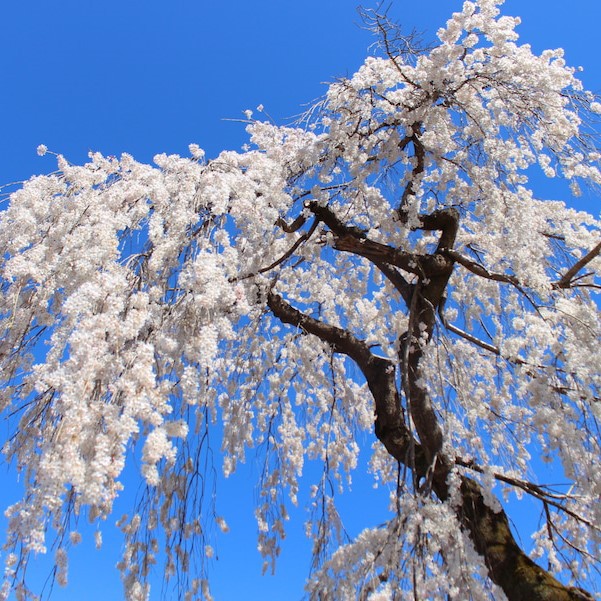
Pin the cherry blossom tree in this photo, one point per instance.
(385, 265)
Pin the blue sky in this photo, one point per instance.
(149, 76)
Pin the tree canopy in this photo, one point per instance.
(383, 265)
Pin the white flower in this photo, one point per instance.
(75, 538)
(42, 149)
(222, 524)
(196, 151)
(596, 107)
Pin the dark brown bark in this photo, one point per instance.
(508, 566)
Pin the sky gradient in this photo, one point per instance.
(145, 77)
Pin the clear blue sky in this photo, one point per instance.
(149, 76)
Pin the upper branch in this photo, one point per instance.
(567, 278)
(304, 237)
(353, 239)
(418, 169)
(480, 270)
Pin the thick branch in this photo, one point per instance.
(353, 239)
(429, 295)
(418, 401)
(444, 220)
(420, 161)
(403, 287)
(509, 567)
(379, 372)
(294, 226)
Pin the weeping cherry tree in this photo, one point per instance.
(383, 266)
